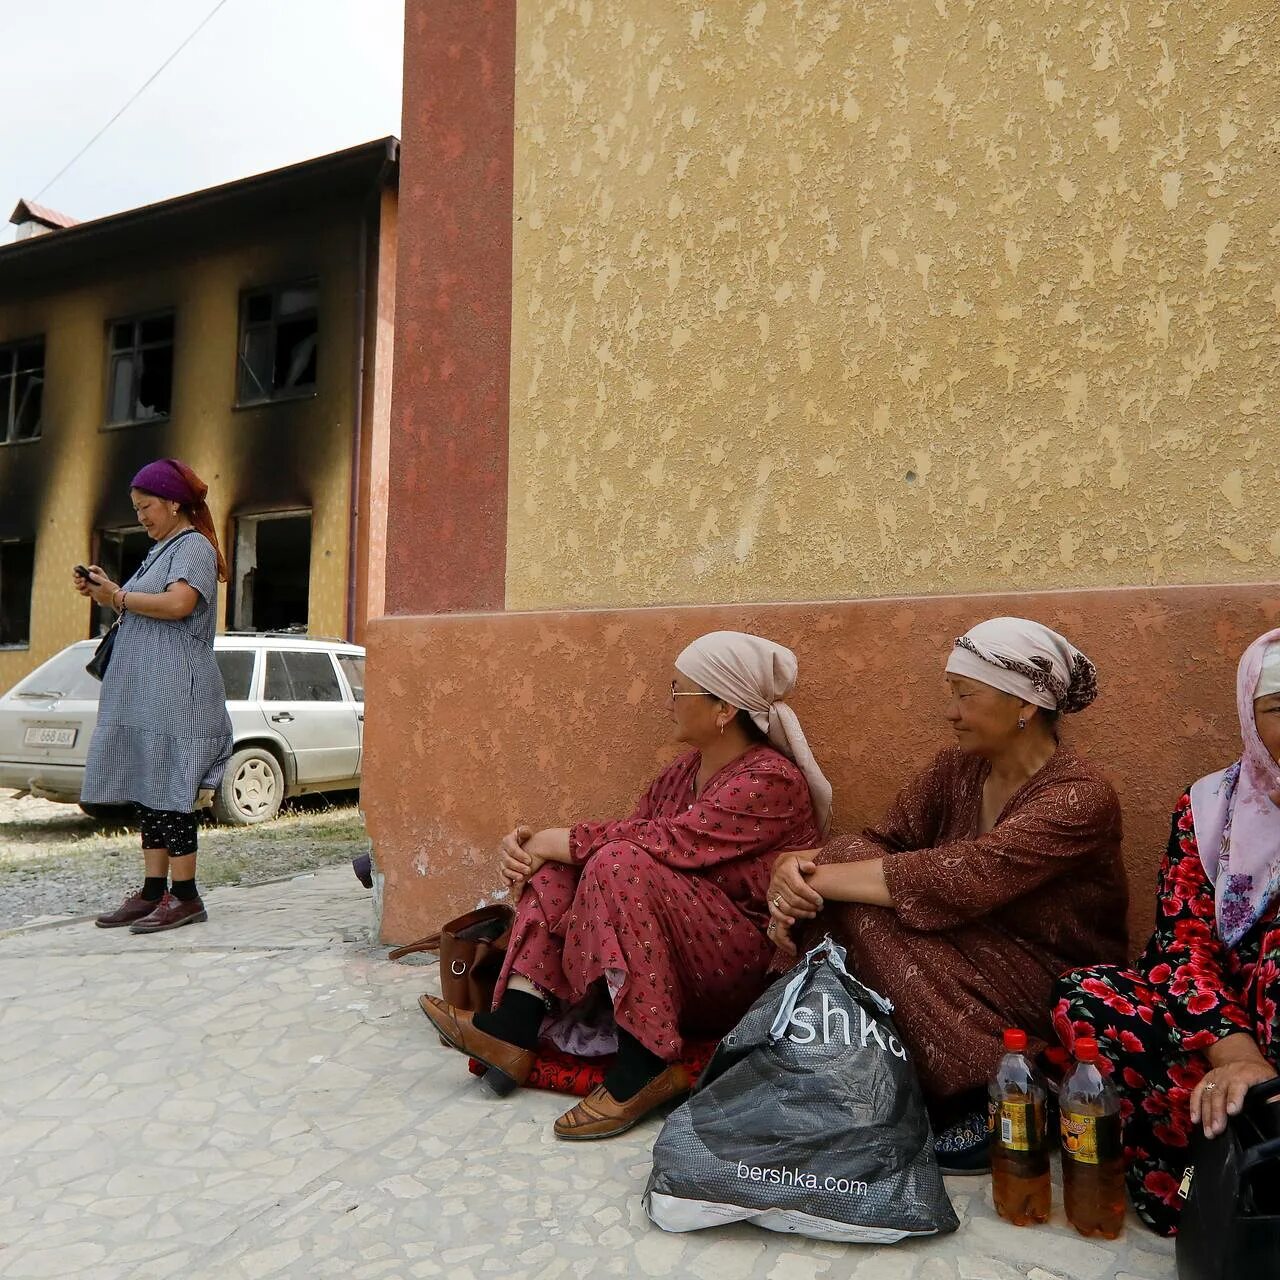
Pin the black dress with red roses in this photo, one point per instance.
(1153, 1022)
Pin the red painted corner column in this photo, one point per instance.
(447, 493)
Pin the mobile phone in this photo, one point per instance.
(82, 572)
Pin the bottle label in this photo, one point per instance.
(1017, 1126)
(1091, 1139)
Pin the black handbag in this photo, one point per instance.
(97, 665)
(1230, 1226)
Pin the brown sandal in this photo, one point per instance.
(601, 1115)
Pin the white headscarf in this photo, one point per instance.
(1028, 660)
(755, 675)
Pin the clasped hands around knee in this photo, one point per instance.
(524, 851)
(791, 897)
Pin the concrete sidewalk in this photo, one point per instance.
(259, 1096)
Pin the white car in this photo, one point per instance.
(297, 714)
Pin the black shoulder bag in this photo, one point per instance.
(1230, 1226)
(97, 665)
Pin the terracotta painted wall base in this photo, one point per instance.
(476, 721)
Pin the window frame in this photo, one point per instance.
(241, 521)
(8, 410)
(25, 645)
(275, 395)
(137, 320)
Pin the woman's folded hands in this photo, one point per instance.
(517, 863)
(791, 897)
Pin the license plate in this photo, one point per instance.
(41, 736)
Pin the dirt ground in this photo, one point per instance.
(55, 861)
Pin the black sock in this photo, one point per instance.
(517, 1020)
(634, 1067)
(185, 890)
(153, 888)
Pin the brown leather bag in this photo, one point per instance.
(472, 949)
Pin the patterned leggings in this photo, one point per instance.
(162, 829)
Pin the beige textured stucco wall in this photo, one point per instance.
(840, 299)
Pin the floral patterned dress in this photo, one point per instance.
(667, 907)
(1152, 1022)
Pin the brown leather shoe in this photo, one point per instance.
(132, 908)
(171, 913)
(601, 1115)
(509, 1065)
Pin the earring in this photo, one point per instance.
(722, 728)
(1022, 724)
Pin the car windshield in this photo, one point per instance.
(62, 677)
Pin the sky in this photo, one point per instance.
(266, 83)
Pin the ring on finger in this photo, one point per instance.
(1210, 1086)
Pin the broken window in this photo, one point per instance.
(272, 572)
(17, 569)
(120, 553)
(279, 329)
(141, 359)
(21, 390)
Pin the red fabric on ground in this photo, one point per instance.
(563, 1073)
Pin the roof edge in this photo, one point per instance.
(385, 150)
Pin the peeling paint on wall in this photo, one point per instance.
(831, 299)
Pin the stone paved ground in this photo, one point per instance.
(259, 1096)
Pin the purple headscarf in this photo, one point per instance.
(165, 480)
(1237, 824)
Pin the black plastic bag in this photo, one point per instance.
(809, 1119)
(1231, 1221)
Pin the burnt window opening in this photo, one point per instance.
(141, 364)
(279, 332)
(21, 390)
(273, 572)
(119, 555)
(17, 572)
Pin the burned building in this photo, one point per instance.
(245, 329)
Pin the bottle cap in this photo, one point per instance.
(1015, 1041)
(1086, 1049)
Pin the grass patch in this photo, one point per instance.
(297, 841)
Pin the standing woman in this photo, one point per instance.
(163, 733)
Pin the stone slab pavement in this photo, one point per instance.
(259, 1096)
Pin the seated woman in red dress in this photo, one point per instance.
(1196, 1021)
(656, 921)
(994, 870)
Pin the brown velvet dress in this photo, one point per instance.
(981, 925)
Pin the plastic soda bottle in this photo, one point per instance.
(1092, 1147)
(1019, 1136)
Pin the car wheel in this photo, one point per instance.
(252, 789)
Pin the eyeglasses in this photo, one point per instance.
(697, 693)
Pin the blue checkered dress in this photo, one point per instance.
(163, 731)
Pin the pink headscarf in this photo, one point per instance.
(1237, 825)
(755, 675)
